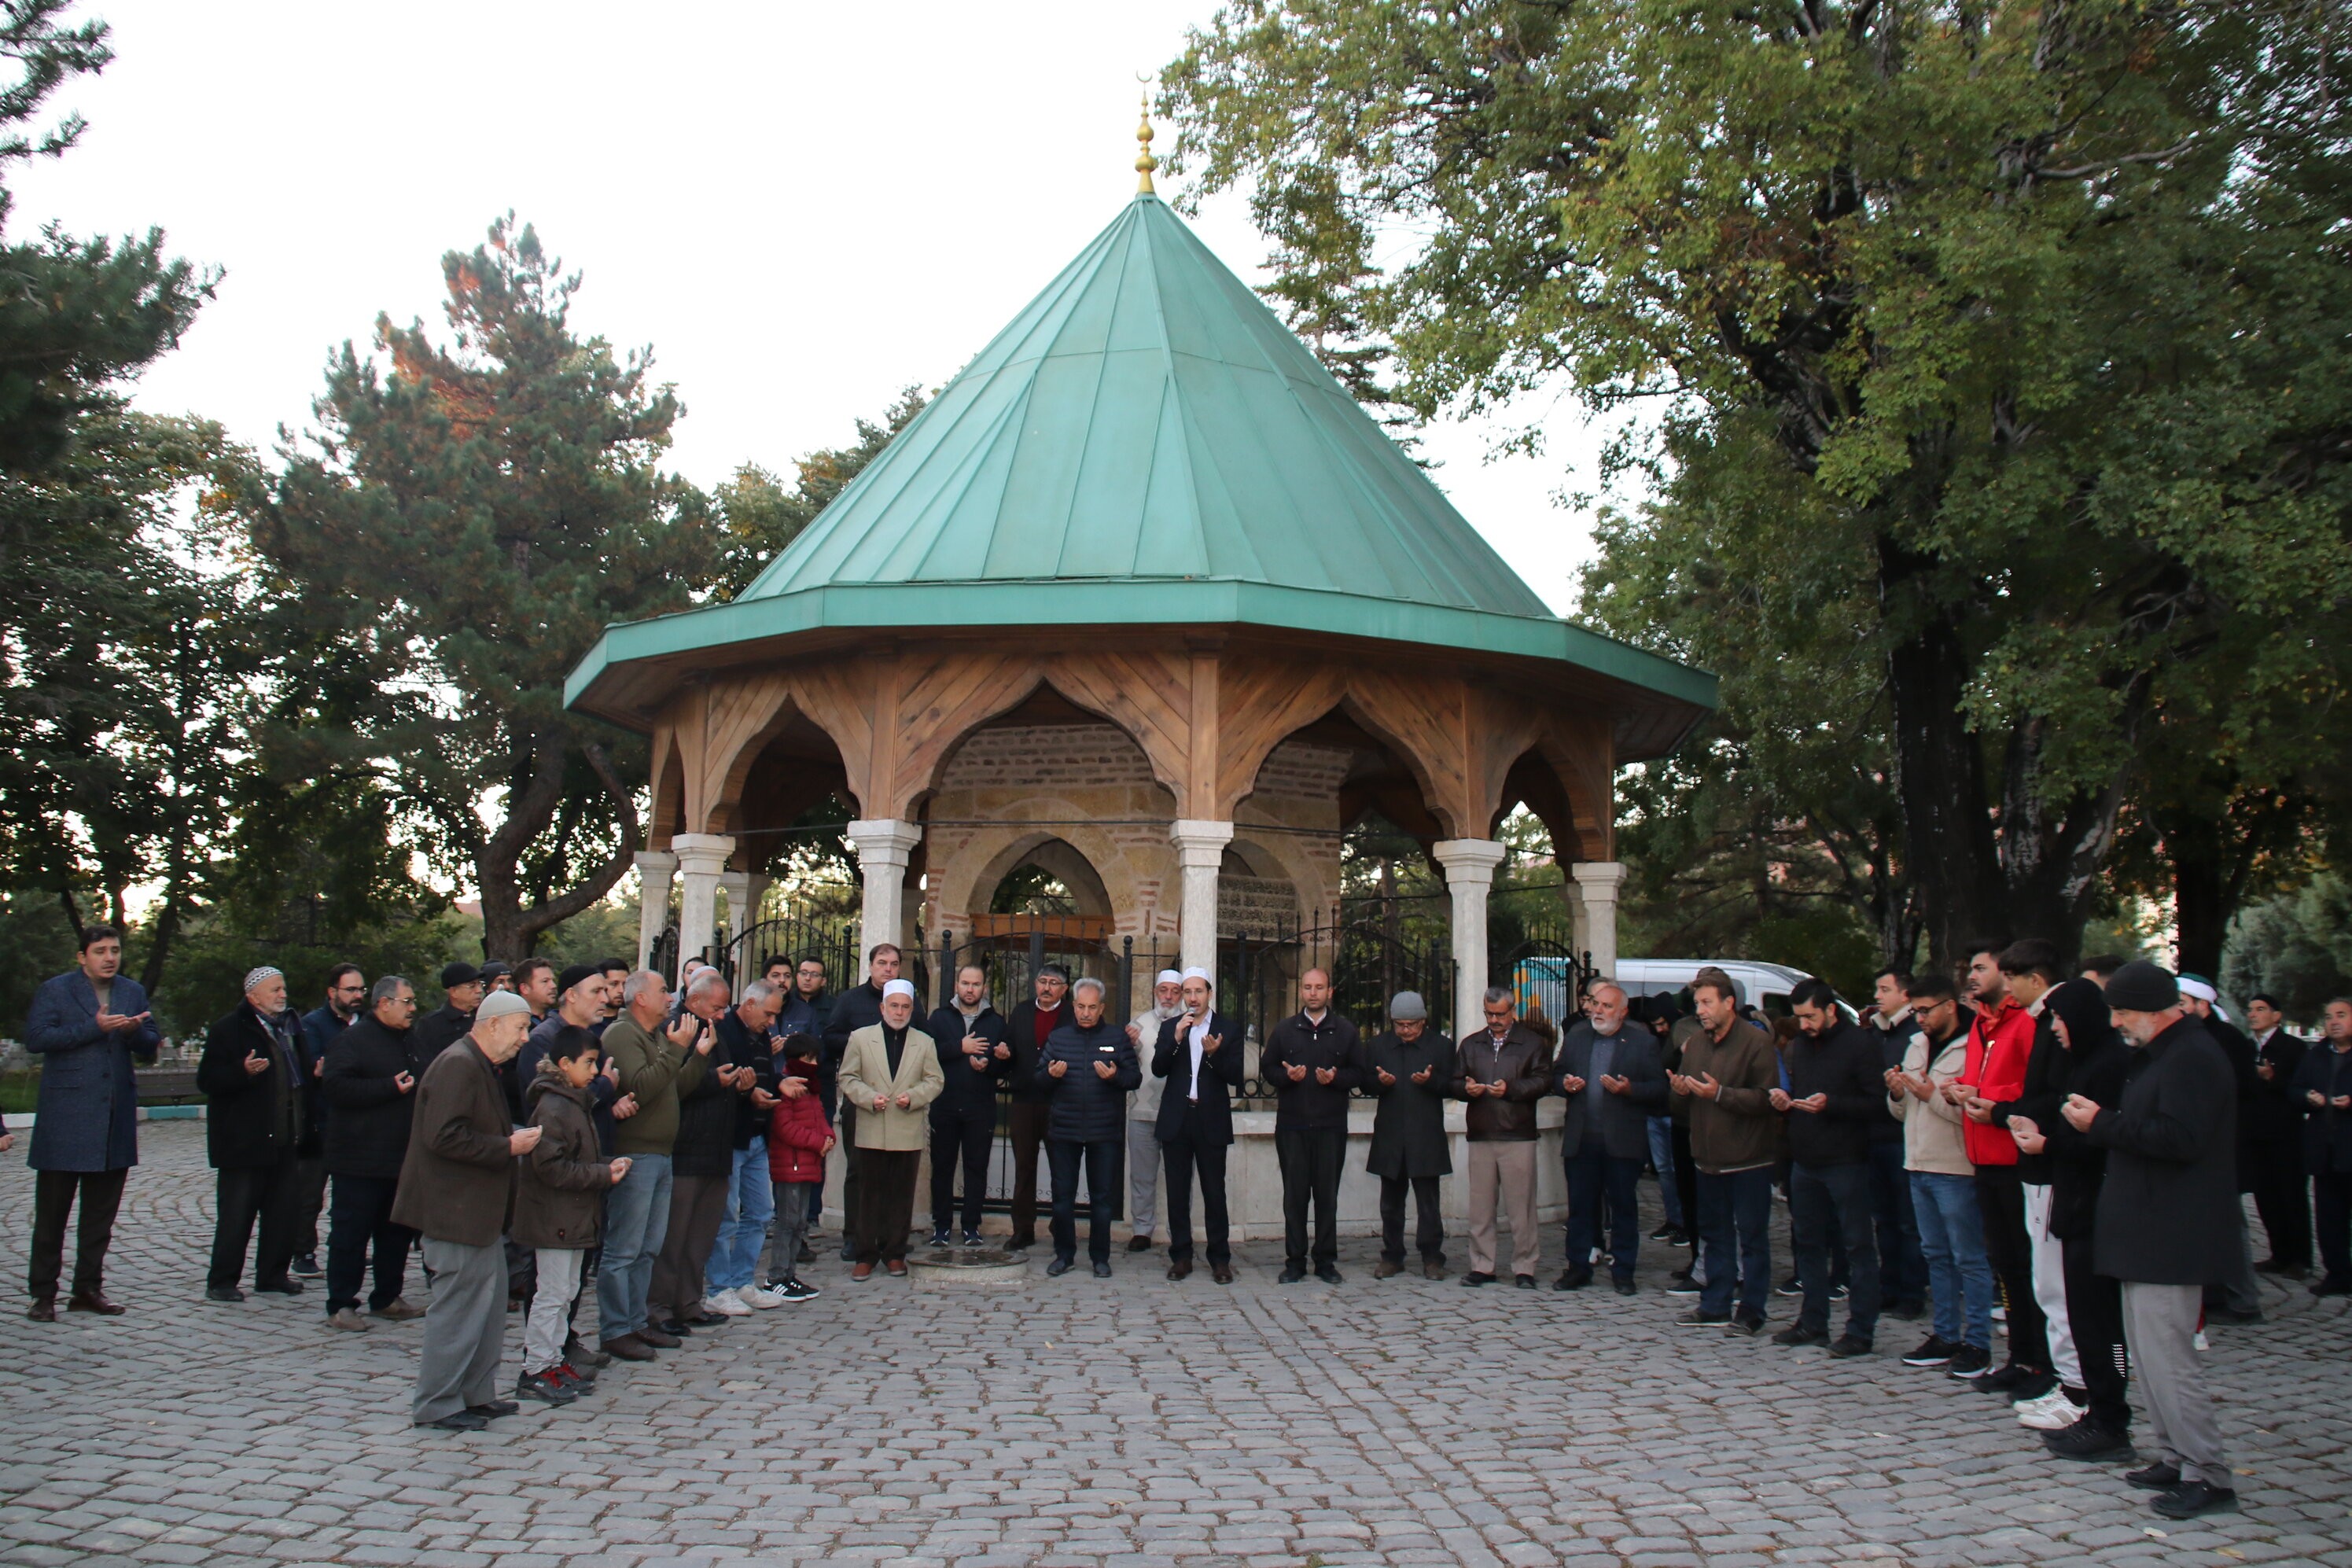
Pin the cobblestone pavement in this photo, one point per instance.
(1084, 1421)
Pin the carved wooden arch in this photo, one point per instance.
(951, 696)
(1420, 720)
(1565, 777)
(741, 716)
(667, 789)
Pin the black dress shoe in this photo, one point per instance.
(629, 1347)
(1477, 1276)
(1847, 1346)
(1291, 1275)
(1572, 1279)
(94, 1301)
(1223, 1273)
(282, 1285)
(223, 1293)
(2159, 1476)
(1798, 1334)
(1059, 1266)
(1102, 1271)
(677, 1328)
(2191, 1499)
(1524, 1281)
(661, 1338)
(44, 1310)
(458, 1421)
(1181, 1269)
(2231, 1315)
(1329, 1273)
(491, 1410)
(1138, 1244)
(2087, 1440)
(1627, 1288)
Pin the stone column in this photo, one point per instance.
(883, 845)
(1469, 874)
(1200, 849)
(701, 861)
(737, 886)
(655, 870)
(1598, 880)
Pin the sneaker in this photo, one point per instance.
(2191, 1499)
(2200, 1342)
(570, 1372)
(546, 1389)
(759, 1301)
(2007, 1380)
(2000, 1313)
(1792, 1286)
(808, 1254)
(1663, 1233)
(2053, 1412)
(1749, 1324)
(939, 1238)
(1700, 1318)
(348, 1319)
(307, 1266)
(2159, 1476)
(1968, 1363)
(971, 1238)
(1683, 1285)
(2033, 1388)
(1798, 1334)
(726, 1304)
(1837, 1292)
(1846, 1347)
(2087, 1440)
(794, 1292)
(396, 1310)
(1934, 1351)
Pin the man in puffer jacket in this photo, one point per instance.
(800, 1135)
(1087, 1067)
(559, 1208)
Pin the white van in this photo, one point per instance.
(1764, 986)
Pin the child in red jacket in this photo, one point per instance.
(799, 1138)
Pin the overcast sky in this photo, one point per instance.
(800, 208)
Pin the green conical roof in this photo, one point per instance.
(1147, 416)
(1145, 445)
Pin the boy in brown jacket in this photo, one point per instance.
(559, 1207)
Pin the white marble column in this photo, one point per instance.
(1598, 881)
(1200, 850)
(655, 870)
(884, 845)
(1469, 875)
(701, 861)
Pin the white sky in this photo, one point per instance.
(802, 208)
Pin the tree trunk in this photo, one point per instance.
(2197, 845)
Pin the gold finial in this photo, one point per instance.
(1146, 162)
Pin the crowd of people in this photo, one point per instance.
(2061, 1155)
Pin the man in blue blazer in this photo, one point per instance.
(1610, 1077)
(86, 1026)
(1199, 1052)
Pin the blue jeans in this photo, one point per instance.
(1661, 1155)
(1951, 1238)
(1100, 1160)
(1588, 1174)
(751, 1205)
(1901, 1271)
(1834, 1201)
(636, 1223)
(1736, 1204)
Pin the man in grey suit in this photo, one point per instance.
(1610, 1077)
(86, 1025)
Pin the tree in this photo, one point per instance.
(462, 527)
(757, 516)
(2035, 309)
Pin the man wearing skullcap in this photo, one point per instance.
(890, 1074)
(1143, 1112)
(251, 1075)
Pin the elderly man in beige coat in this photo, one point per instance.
(890, 1072)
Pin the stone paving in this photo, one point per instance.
(1084, 1421)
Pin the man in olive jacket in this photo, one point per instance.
(1408, 1065)
(1727, 1071)
(456, 1187)
(2167, 1222)
(654, 1060)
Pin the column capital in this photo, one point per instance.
(702, 854)
(1200, 841)
(884, 840)
(660, 862)
(1598, 878)
(1474, 859)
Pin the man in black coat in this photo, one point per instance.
(1407, 1067)
(1033, 1022)
(2164, 1226)
(969, 1035)
(251, 1073)
(1315, 1060)
(1836, 1089)
(346, 997)
(2236, 1297)
(1199, 1052)
(1611, 1079)
(369, 1091)
(857, 1008)
(2324, 1083)
(2282, 1189)
(1086, 1069)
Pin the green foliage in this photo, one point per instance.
(2295, 946)
(460, 529)
(2003, 392)
(757, 516)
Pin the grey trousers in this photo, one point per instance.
(2160, 1326)
(1143, 1176)
(463, 1329)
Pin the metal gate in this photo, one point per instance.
(1369, 956)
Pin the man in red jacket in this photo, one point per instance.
(2000, 1043)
